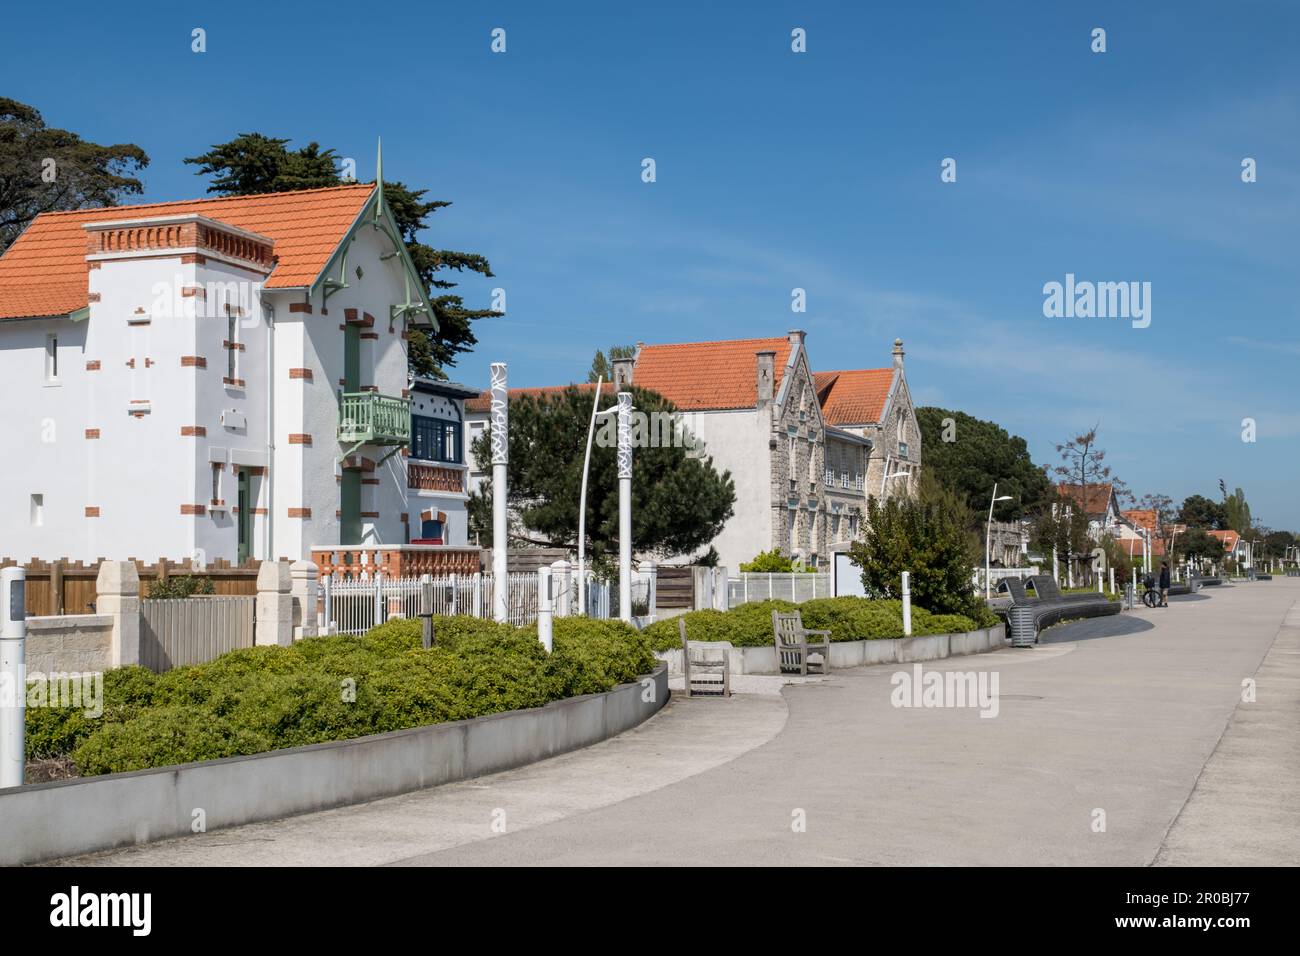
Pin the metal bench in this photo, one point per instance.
(707, 675)
(793, 646)
(1029, 614)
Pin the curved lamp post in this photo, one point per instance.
(582, 499)
(988, 539)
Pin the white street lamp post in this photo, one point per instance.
(500, 459)
(988, 540)
(582, 501)
(625, 506)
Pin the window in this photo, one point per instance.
(435, 439)
(38, 510)
(230, 347)
(902, 449)
(216, 482)
(812, 462)
(794, 530)
(794, 453)
(52, 359)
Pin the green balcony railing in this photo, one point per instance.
(371, 418)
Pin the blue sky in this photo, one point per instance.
(818, 170)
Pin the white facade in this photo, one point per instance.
(186, 380)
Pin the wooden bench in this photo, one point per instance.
(705, 676)
(793, 645)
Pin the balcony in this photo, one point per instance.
(428, 477)
(368, 418)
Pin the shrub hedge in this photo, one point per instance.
(334, 688)
(847, 618)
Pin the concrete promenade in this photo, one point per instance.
(1144, 731)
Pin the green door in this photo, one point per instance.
(245, 521)
(350, 506)
(350, 492)
(351, 357)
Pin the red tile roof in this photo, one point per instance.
(482, 402)
(1229, 539)
(1133, 547)
(1141, 518)
(854, 397)
(44, 272)
(709, 375)
(1094, 499)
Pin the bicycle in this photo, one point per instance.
(1151, 597)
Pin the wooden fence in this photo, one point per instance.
(68, 587)
(178, 631)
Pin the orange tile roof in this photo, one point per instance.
(854, 397)
(1133, 547)
(1141, 518)
(44, 271)
(482, 402)
(1229, 539)
(709, 375)
(1094, 502)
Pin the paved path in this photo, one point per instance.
(1130, 725)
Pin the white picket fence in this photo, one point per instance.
(796, 587)
(354, 605)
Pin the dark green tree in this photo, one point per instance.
(1237, 512)
(927, 535)
(252, 163)
(1198, 544)
(1199, 511)
(44, 169)
(602, 366)
(679, 501)
(976, 454)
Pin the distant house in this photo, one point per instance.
(1098, 502)
(805, 449)
(1233, 545)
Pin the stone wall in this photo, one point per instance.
(69, 643)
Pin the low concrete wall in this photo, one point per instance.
(901, 650)
(69, 643)
(68, 817)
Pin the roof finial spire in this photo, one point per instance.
(379, 167)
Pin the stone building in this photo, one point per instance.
(805, 449)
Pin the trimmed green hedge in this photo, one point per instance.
(335, 688)
(847, 618)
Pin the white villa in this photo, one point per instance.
(805, 449)
(223, 379)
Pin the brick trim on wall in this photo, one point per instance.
(92, 365)
(237, 346)
(299, 512)
(92, 511)
(298, 438)
(193, 361)
(232, 382)
(194, 509)
(302, 373)
(194, 431)
(304, 307)
(92, 432)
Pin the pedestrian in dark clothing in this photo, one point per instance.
(1164, 585)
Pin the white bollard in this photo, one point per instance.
(1111, 570)
(13, 676)
(544, 602)
(907, 604)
